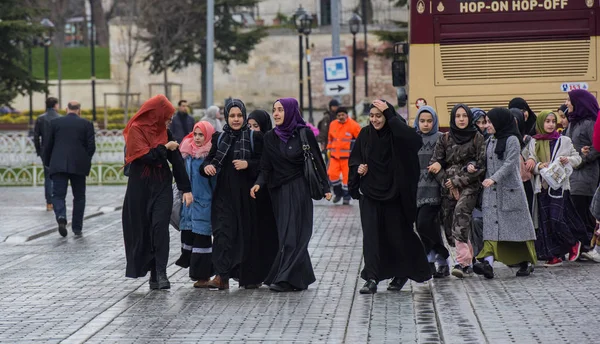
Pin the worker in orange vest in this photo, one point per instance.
(342, 133)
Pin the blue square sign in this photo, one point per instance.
(336, 68)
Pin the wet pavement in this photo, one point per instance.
(73, 290)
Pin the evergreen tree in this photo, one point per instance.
(17, 35)
(233, 42)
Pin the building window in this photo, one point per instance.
(326, 12)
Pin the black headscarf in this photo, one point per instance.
(505, 126)
(263, 119)
(520, 117)
(394, 163)
(462, 136)
(522, 105)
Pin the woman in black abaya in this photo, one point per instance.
(149, 197)
(282, 170)
(384, 173)
(234, 158)
(260, 121)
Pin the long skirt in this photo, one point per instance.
(293, 210)
(430, 231)
(391, 248)
(509, 252)
(196, 254)
(559, 227)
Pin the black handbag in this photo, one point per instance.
(315, 183)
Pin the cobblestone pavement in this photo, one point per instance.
(68, 290)
(23, 212)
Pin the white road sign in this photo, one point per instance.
(337, 88)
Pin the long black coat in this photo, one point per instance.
(71, 145)
(41, 131)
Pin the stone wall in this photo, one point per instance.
(271, 73)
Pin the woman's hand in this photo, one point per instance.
(471, 168)
(529, 165)
(380, 105)
(254, 190)
(564, 160)
(188, 199)
(434, 168)
(328, 196)
(543, 165)
(240, 164)
(488, 182)
(172, 145)
(363, 169)
(585, 150)
(449, 184)
(210, 170)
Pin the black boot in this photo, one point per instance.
(337, 191)
(484, 268)
(163, 281)
(397, 283)
(153, 282)
(370, 287)
(525, 269)
(442, 271)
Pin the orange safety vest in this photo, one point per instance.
(341, 137)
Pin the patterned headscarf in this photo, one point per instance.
(240, 139)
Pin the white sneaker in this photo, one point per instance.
(591, 255)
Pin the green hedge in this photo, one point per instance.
(76, 63)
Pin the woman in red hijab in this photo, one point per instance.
(149, 197)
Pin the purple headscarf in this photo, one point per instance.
(585, 106)
(291, 120)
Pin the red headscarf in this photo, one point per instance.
(188, 146)
(147, 129)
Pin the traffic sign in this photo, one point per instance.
(337, 88)
(336, 69)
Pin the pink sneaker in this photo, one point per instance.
(575, 251)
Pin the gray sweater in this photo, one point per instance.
(584, 179)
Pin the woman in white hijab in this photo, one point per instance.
(211, 117)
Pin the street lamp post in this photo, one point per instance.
(92, 44)
(366, 58)
(354, 24)
(30, 94)
(300, 12)
(306, 22)
(47, 40)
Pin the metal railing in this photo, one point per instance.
(20, 165)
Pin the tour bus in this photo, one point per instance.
(485, 52)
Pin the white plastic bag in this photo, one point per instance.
(556, 175)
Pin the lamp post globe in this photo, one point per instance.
(306, 23)
(354, 23)
(298, 15)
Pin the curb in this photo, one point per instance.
(43, 230)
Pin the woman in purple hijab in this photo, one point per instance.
(583, 111)
(282, 171)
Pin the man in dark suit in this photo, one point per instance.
(40, 138)
(182, 123)
(68, 156)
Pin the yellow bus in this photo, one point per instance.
(485, 52)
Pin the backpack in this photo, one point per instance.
(251, 140)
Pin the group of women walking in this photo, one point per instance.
(246, 213)
(499, 186)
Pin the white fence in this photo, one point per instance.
(19, 164)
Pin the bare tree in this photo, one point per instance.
(127, 43)
(166, 26)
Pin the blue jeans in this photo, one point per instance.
(60, 184)
(47, 186)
